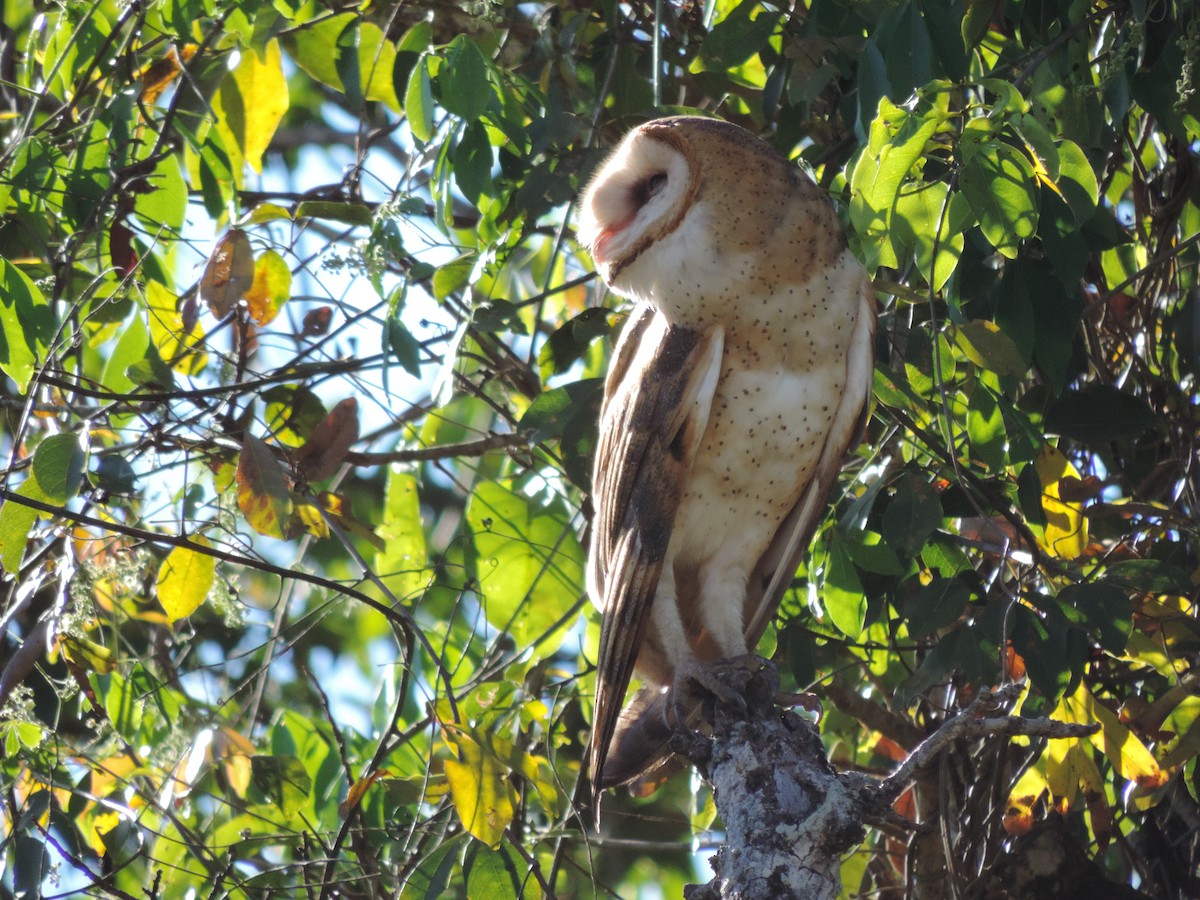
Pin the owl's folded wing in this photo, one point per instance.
(657, 402)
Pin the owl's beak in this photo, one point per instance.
(600, 245)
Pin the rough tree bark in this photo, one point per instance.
(789, 816)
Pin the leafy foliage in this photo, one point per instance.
(302, 372)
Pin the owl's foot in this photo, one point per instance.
(737, 686)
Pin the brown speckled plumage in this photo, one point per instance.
(735, 391)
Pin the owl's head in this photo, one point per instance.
(681, 188)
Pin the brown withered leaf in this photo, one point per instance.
(228, 274)
(316, 321)
(329, 442)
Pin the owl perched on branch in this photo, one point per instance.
(740, 381)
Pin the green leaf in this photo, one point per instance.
(997, 181)
(985, 427)
(530, 566)
(401, 343)
(115, 475)
(557, 410)
(465, 90)
(1099, 414)
(935, 606)
(418, 101)
(281, 781)
(402, 562)
(986, 345)
(1151, 576)
(453, 276)
(913, 514)
(26, 324)
(737, 37)
(349, 213)
(262, 495)
(571, 341)
(1077, 181)
(1106, 612)
(58, 466)
(897, 142)
(842, 594)
(473, 163)
(184, 580)
(408, 52)
(16, 522)
(315, 48)
(251, 102)
(492, 874)
(924, 211)
(165, 201)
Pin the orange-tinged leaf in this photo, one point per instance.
(184, 580)
(480, 790)
(157, 76)
(1066, 532)
(271, 288)
(329, 442)
(358, 790)
(228, 274)
(1018, 814)
(262, 494)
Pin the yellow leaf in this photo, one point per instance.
(185, 579)
(1018, 814)
(480, 790)
(174, 342)
(87, 654)
(1069, 767)
(271, 288)
(1128, 755)
(251, 101)
(1066, 532)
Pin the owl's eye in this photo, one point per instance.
(645, 189)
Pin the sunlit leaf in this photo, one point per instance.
(530, 563)
(401, 564)
(270, 289)
(16, 523)
(1066, 532)
(26, 324)
(252, 100)
(1126, 752)
(483, 798)
(184, 579)
(842, 594)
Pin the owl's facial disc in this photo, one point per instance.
(639, 195)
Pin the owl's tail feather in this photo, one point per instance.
(639, 755)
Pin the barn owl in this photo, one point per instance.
(740, 380)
